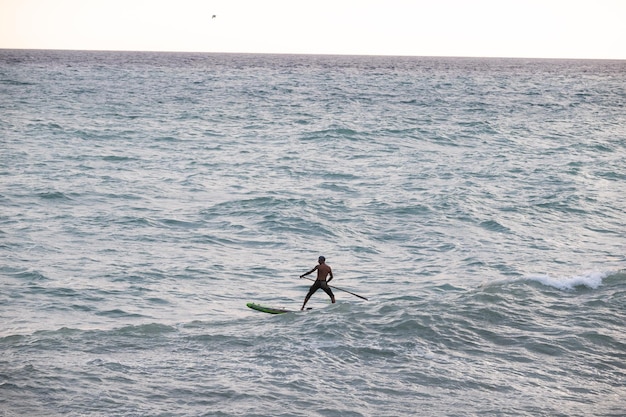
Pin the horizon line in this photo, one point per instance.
(313, 54)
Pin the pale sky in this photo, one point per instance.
(476, 28)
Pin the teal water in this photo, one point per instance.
(146, 198)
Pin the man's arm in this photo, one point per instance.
(307, 273)
(330, 274)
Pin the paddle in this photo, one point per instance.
(341, 289)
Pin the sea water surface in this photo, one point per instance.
(479, 204)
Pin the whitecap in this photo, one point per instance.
(590, 279)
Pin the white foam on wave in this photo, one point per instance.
(590, 279)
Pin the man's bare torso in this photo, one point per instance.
(323, 271)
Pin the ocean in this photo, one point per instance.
(478, 204)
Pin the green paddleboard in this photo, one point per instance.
(269, 310)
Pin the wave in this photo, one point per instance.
(591, 280)
(15, 82)
(53, 195)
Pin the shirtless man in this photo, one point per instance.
(323, 271)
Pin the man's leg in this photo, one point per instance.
(312, 290)
(328, 291)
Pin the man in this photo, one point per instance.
(323, 271)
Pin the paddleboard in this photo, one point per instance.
(270, 310)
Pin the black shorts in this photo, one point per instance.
(323, 285)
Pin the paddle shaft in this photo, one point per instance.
(340, 289)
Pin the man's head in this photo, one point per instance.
(321, 259)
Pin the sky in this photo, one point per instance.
(592, 29)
